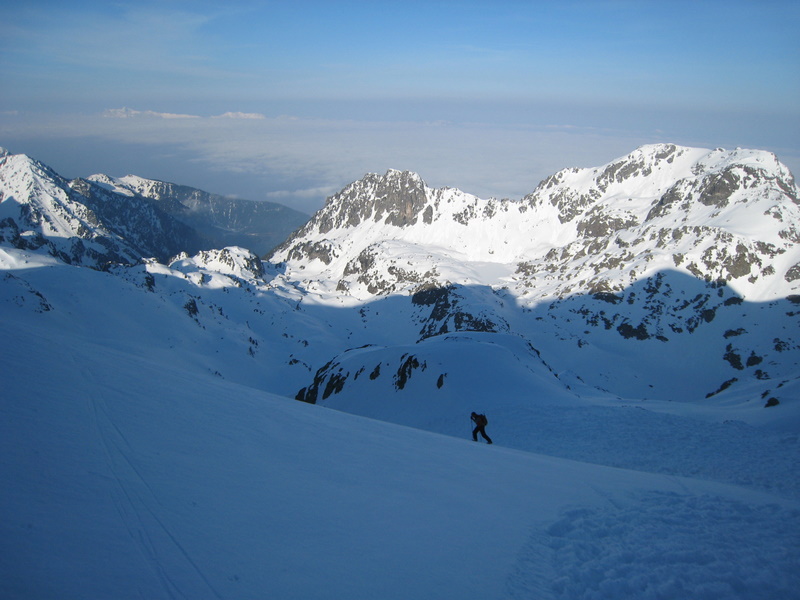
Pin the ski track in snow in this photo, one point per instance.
(138, 505)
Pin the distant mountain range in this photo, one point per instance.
(670, 274)
(222, 221)
(100, 220)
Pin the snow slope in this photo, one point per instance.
(132, 470)
(151, 449)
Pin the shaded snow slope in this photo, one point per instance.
(127, 472)
(699, 344)
(214, 315)
(435, 385)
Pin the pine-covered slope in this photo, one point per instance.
(259, 226)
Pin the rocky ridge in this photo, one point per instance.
(98, 221)
(672, 252)
(222, 221)
(721, 216)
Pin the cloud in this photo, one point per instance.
(239, 115)
(300, 161)
(129, 113)
(317, 157)
(302, 194)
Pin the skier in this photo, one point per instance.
(480, 422)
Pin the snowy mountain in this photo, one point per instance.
(630, 331)
(671, 273)
(100, 220)
(79, 222)
(259, 226)
(668, 274)
(721, 216)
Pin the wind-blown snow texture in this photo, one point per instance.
(622, 327)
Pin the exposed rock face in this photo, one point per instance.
(332, 378)
(134, 219)
(451, 310)
(395, 198)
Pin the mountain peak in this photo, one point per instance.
(395, 198)
(402, 176)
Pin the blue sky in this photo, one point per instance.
(489, 97)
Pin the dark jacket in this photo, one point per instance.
(480, 420)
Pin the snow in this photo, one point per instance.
(150, 445)
(131, 469)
